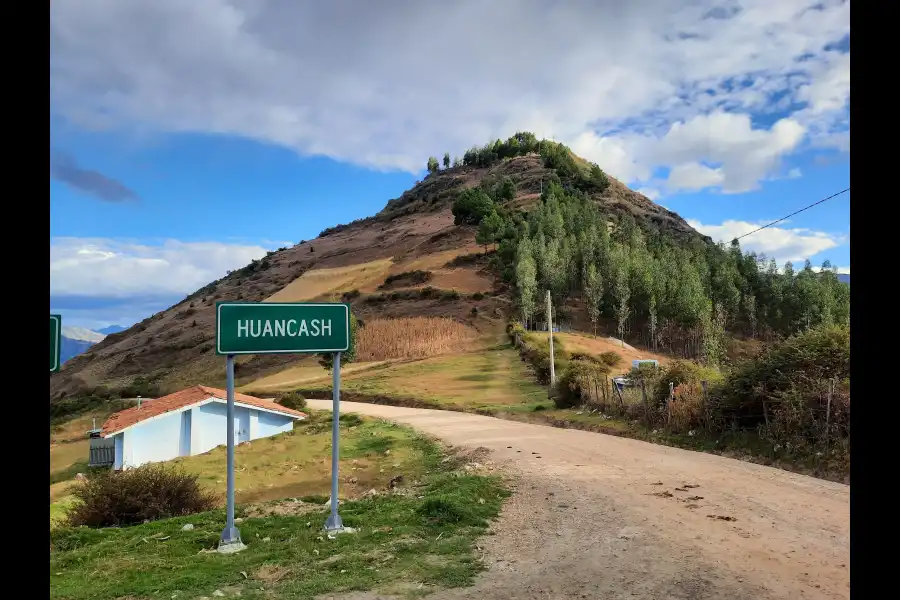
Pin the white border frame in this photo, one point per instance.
(219, 306)
(58, 319)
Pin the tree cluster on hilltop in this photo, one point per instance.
(588, 177)
(672, 296)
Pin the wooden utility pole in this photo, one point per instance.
(828, 409)
(550, 331)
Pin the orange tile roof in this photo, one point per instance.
(192, 395)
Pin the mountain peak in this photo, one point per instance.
(82, 335)
(531, 165)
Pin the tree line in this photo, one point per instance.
(668, 294)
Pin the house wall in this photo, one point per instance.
(208, 428)
(269, 424)
(184, 442)
(118, 439)
(254, 424)
(126, 449)
(242, 424)
(155, 440)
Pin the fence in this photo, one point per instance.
(102, 453)
(542, 326)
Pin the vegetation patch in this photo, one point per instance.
(408, 278)
(426, 293)
(466, 260)
(788, 406)
(146, 493)
(423, 537)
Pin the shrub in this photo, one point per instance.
(536, 352)
(584, 380)
(449, 295)
(610, 358)
(407, 278)
(146, 493)
(676, 373)
(817, 354)
(784, 390)
(471, 206)
(688, 409)
(465, 259)
(513, 328)
(351, 295)
(800, 417)
(292, 400)
(474, 311)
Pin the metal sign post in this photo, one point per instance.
(55, 342)
(231, 537)
(280, 328)
(334, 522)
(550, 331)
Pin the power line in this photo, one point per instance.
(793, 213)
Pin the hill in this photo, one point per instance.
(414, 232)
(844, 278)
(476, 243)
(111, 329)
(76, 340)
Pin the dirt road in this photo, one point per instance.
(597, 516)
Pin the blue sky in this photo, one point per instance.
(177, 157)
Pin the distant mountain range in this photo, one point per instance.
(75, 340)
(845, 277)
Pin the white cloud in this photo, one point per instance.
(844, 270)
(636, 86)
(694, 176)
(828, 90)
(781, 244)
(111, 269)
(795, 173)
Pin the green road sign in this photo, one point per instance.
(281, 327)
(55, 340)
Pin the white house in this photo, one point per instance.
(189, 422)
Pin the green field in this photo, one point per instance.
(491, 379)
(407, 542)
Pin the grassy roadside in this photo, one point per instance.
(497, 382)
(486, 380)
(411, 538)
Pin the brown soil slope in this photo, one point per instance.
(175, 347)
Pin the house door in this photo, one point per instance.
(242, 425)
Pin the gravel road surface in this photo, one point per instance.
(597, 516)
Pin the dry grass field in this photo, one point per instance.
(596, 345)
(301, 373)
(320, 283)
(414, 337)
